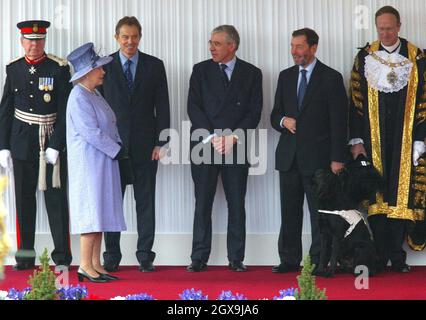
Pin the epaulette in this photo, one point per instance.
(60, 61)
(15, 60)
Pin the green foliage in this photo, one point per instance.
(43, 281)
(307, 286)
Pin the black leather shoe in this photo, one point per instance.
(81, 274)
(402, 268)
(237, 266)
(283, 268)
(196, 266)
(146, 266)
(23, 266)
(107, 276)
(111, 267)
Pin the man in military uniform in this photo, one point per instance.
(32, 141)
(387, 124)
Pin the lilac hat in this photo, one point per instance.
(84, 59)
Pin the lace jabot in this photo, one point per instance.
(387, 72)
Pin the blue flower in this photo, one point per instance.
(192, 295)
(72, 293)
(140, 296)
(286, 294)
(227, 295)
(15, 294)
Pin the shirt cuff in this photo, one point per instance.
(281, 123)
(208, 139)
(420, 147)
(355, 141)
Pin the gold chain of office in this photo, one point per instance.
(392, 77)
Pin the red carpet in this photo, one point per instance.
(259, 282)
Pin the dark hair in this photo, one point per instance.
(128, 21)
(312, 37)
(390, 10)
(231, 32)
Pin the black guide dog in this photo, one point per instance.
(345, 236)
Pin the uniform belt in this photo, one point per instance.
(45, 122)
(40, 119)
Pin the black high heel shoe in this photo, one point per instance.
(81, 274)
(107, 276)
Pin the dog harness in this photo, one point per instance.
(353, 217)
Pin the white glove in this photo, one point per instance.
(52, 156)
(6, 159)
(418, 149)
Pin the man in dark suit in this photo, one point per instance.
(135, 86)
(225, 94)
(32, 141)
(310, 112)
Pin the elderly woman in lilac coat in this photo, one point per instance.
(93, 146)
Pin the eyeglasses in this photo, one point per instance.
(215, 44)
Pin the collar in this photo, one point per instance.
(36, 61)
(231, 64)
(310, 67)
(393, 48)
(134, 59)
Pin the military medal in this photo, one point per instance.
(41, 84)
(50, 84)
(47, 98)
(32, 70)
(45, 84)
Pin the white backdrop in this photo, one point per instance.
(177, 31)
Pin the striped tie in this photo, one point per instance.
(128, 75)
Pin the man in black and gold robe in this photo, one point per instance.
(387, 124)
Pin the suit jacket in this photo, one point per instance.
(321, 126)
(144, 113)
(22, 91)
(212, 106)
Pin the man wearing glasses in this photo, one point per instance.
(225, 94)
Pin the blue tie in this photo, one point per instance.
(302, 89)
(224, 75)
(128, 74)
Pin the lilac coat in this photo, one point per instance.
(95, 197)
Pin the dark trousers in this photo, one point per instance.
(293, 187)
(144, 192)
(26, 181)
(234, 179)
(389, 236)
